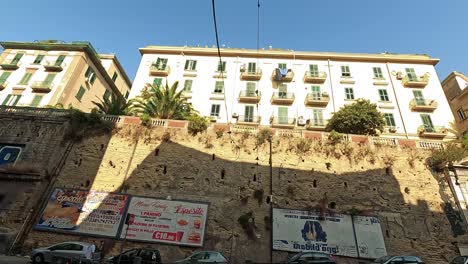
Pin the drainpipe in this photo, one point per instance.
(331, 86)
(396, 100)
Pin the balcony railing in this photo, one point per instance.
(42, 87)
(317, 100)
(416, 81)
(278, 76)
(54, 66)
(283, 122)
(3, 85)
(423, 105)
(318, 78)
(316, 124)
(159, 71)
(250, 75)
(249, 96)
(390, 129)
(432, 131)
(282, 98)
(248, 120)
(10, 65)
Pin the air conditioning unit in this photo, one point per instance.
(399, 75)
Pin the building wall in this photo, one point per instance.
(205, 77)
(456, 91)
(111, 68)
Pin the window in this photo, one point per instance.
(383, 95)
(188, 86)
(115, 76)
(315, 92)
(252, 68)
(389, 120)
(221, 66)
(38, 59)
(127, 94)
(313, 70)
(317, 119)
(249, 113)
(80, 93)
(282, 115)
(377, 72)
(461, 114)
(427, 122)
(90, 74)
(282, 90)
(215, 110)
(4, 77)
(26, 78)
(190, 65)
(411, 74)
(282, 66)
(345, 71)
(161, 64)
(418, 97)
(251, 88)
(59, 60)
(349, 93)
(106, 95)
(219, 87)
(17, 58)
(36, 100)
(157, 82)
(49, 78)
(459, 260)
(11, 99)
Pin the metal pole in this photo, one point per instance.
(123, 244)
(271, 199)
(355, 237)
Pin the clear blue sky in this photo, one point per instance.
(435, 27)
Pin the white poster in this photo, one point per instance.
(297, 231)
(369, 237)
(166, 221)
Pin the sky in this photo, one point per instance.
(434, 27)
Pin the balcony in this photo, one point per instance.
(317, 100)
(53, 66)
(316, 124)
(283, 122)
(282, 98)
(159, 71)
(282, 76)
(432, 131)
(417, 82)
(217, 96)
(250, 75)
(423, 105)
(315, 78)
(41, 87)
(3, 85)
(390, 129)
(248, 120)
(10, 65)
(249, 96)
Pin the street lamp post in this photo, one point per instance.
(271, 198)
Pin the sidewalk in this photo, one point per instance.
(14, 260)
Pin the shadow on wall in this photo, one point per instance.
(233, 177)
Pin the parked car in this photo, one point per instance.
(204, 257)
(146, 256)
(460, 260)
(74, 251)
(398, 260)
(311, 258)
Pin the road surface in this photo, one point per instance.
(14, 260)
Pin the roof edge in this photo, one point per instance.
(119, 66)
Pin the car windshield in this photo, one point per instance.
(382, 259)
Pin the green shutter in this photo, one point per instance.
(186, 64)
(316, 94)
(194, 65)
(215, 109)
(38, 59)
(427, 122)
(4, 77)
(188, 85)
(418, 97)
(17, 58)
(18, 97)
(282, 66)
(383, 95)
(59, 60)
(114, 77)
(252, 67)
(88, 71)
(106, 94)
(93, 78)
(250, 89)
(282, 115)
(80, 93)
(36, 100)
(6, 99)
(411, 74)
(249, 113)
(26, 78)
(313, 69)
(50, 77)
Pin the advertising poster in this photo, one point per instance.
(166, 221)
(369, 237)
(297, 231)
(83, 212)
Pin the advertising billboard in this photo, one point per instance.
(166, 221)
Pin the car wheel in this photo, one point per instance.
(38, 259)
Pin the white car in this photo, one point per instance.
(460, 260)
(204, 257)
(79, 251)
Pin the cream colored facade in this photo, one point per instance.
(43, 74)
(314, 86)
(456, 90)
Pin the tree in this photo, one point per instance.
(162, 102)
(116, 105)
(361, 117)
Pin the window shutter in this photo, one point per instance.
(6, 99)
(50, 77)
(18, 97)
(4, 76)
(36, 100)
(194, 65)
(59, 60)
(27, 76)
(186, 64)
(17, 58)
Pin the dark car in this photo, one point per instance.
(311, 258)
(399, 260)
(460, 260)
(147, 256)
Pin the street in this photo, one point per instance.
(13, 260)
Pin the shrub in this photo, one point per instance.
(263, 135)
(258, 195)
(452, 153)
(83, 124)
(197, 124)
(219, 132)
(303, 145)
(145, 120)
(334, 137)
(166, 137)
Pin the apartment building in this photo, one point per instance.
(50, 73)
(301, 90)
(455, 86)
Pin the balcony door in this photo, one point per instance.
(318, 117)
(427, 122)
(283, 115)
(250, 91)
(315, 92)
(283, 91)
(249, 113)
(252, 68)
(418, 97)
(411, 74)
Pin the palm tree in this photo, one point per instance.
(116, 105)
(162, 102)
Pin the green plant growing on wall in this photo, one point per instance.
(145, 120)
(247, 223)
(197, 124)
(303, 146)
(263, 136)
(334, 137)
(116, 104)
(453, 152)
(82, 125)
(258, 195)
(361, 117)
